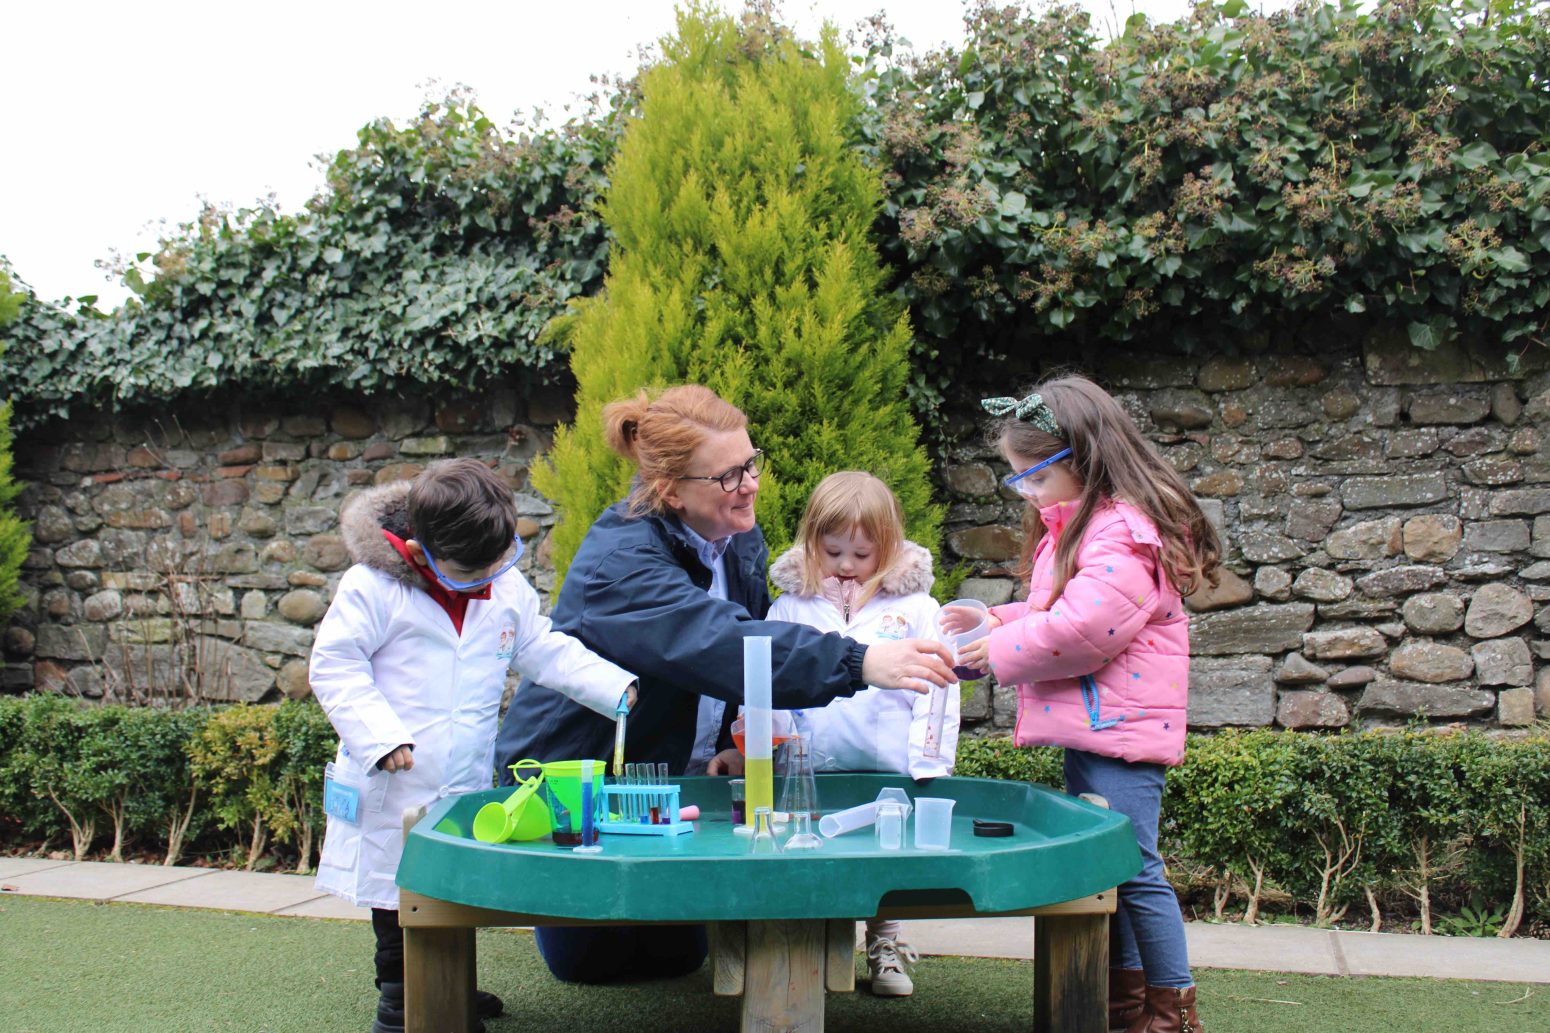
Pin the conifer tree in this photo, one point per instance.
(743, 261)
(15, 537)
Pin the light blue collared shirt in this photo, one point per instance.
(707, 724)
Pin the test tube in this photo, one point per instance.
(665, 797)
(631, 779)
(589, 843)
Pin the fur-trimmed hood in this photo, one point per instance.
(363, 518)
(910, 573)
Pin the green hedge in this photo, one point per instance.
(231, 780)
(1387, 821)
(1448, 827)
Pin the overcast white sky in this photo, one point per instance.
(119, 116)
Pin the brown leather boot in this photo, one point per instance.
(1127, 996)
(1169, 1009)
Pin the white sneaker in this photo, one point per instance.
(885, 961)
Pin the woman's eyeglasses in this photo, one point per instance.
(733, 478)
(1026, 490)
(469, 586)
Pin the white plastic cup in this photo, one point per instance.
(933, 822)
(958, 640)
(890, 825)
(848, 820)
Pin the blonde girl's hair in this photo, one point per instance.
(1112, 460)
(659, 433)
(851, 500)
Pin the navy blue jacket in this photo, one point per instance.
(636, 594)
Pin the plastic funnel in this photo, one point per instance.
(933, 822)
(522, 815)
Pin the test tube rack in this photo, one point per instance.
(619, 801)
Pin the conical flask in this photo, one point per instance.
(799, 796)
(764, 841)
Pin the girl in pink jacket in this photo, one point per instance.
(1100, 651)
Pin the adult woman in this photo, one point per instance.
(667, 584)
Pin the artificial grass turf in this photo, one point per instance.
(68, 966)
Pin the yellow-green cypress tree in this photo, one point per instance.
(15, 537)
(743, 260)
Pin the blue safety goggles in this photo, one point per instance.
(1025, 490)
(469, 586)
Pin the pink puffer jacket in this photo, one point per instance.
(1106, 668)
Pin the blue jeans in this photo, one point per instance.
(1147, 931)
(613, 953)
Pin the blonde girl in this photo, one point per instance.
(853, 572)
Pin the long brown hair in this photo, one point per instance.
(659, 435)
(1112, 460)
(851, 500)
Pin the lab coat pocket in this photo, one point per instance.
(341, 846)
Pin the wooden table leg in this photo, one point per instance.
(728, 957)
(783, 989)
(840, 954)
(439, 967)
(1071, 973)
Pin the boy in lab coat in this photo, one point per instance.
(410, 663)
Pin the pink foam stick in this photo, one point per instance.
(689, 813)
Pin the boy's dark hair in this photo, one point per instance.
(461, 510)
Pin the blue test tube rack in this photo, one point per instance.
(619, 800)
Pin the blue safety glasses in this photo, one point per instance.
(469, 586)
(1016, 482)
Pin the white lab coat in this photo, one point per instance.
(389, 668)
(876, 729)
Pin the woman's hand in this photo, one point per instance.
(907, 663)
(401, 759)
(727, 762)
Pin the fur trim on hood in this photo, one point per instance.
(910, 573)
(363, 518)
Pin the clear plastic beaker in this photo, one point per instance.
(738, 788)
(933, 822)
(959, 635)
(890, 825)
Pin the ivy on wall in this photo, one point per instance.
(1197, 184)
(434, 258)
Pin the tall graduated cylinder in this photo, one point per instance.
(758, 730)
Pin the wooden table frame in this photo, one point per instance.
(781, 967)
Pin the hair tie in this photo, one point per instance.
(1031, 409)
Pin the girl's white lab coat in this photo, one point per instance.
(389, 668)
(876, 729)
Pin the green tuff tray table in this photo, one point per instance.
(777, 920)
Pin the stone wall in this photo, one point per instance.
(1386, 514)
(194, 552)
(1386, 519)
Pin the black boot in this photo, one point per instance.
(487, 1005)
(390, 1009)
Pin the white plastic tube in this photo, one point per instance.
(848, 820)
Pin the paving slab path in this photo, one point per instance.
(1268, 948)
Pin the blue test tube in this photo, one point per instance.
(588, 812)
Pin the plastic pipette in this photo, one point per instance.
(620, 713)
